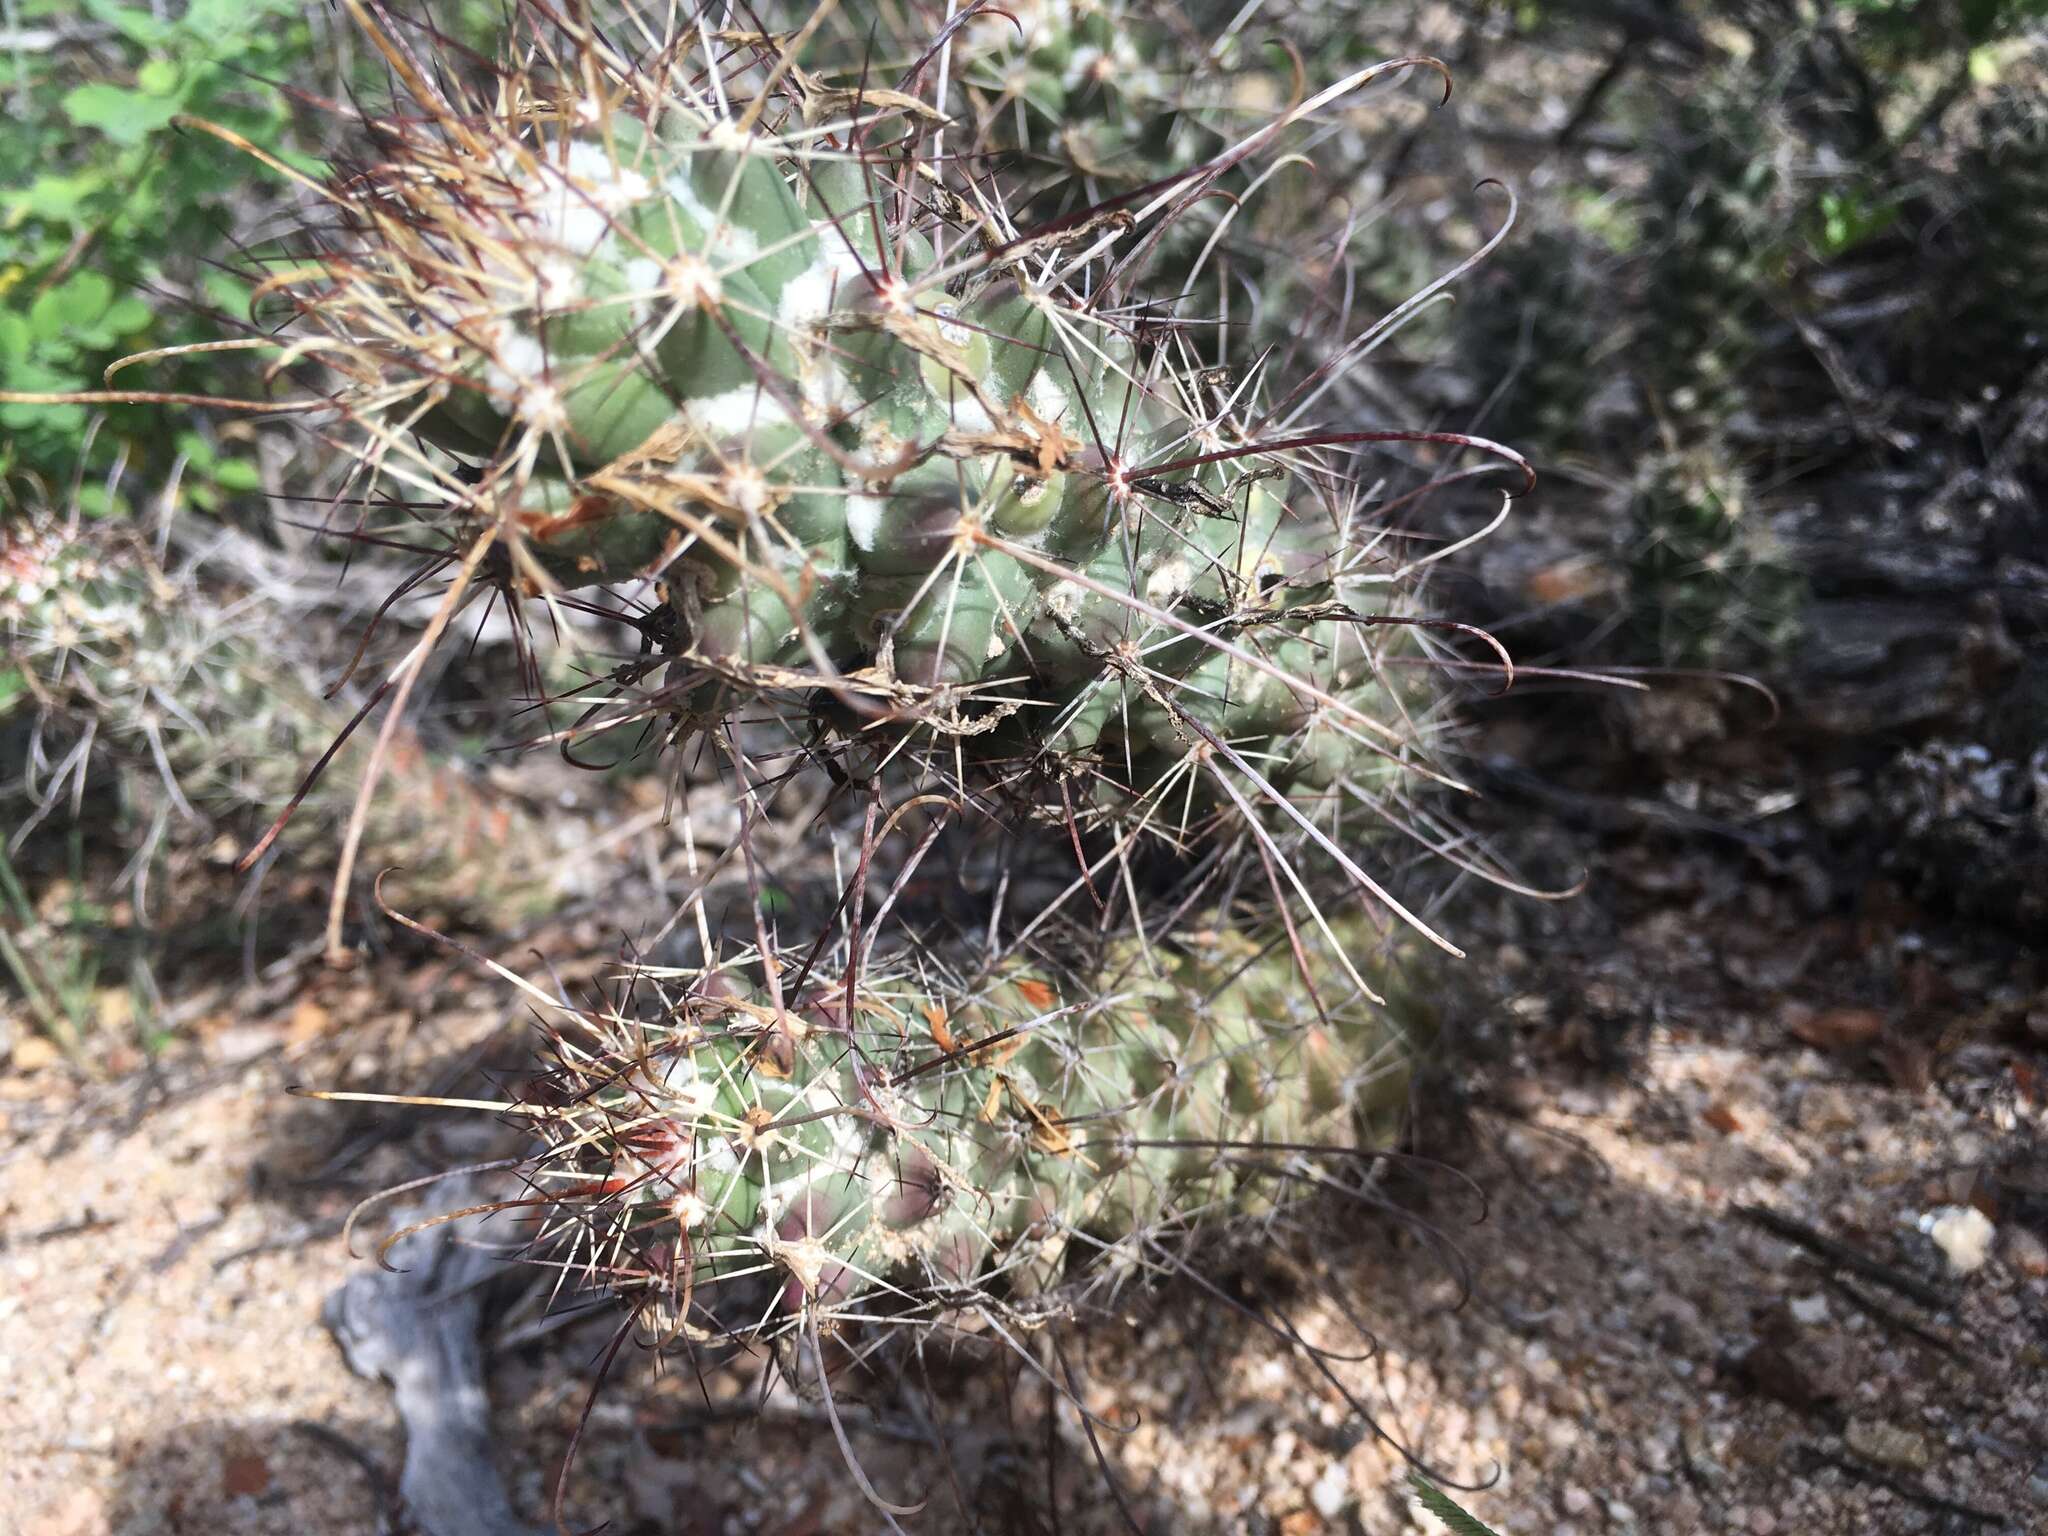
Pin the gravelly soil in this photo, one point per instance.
(1635, 1353)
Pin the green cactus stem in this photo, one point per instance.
(897, 1153)
(899, 465)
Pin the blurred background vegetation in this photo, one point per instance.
(1772, 323)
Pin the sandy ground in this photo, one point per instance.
(1636, 1352)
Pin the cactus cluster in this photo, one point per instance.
(1531, 317)
(1707, 582)
(1716, 232)
(180, 698)
(1993, 303)
(911, 483)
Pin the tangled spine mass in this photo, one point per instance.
(909, 475)
(895, 1154)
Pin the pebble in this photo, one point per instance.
(1331, 1492)
(2026, 1252)
(1962, 1233)
(1825, 1107)
(1887, 1445)
(1575, 1501)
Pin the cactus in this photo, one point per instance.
(1085, 85)
(206, 722)
(902, 1155)
(905, 479)
(1707, 585)
(1994, 302)
(1717, 239)
(1532, 316)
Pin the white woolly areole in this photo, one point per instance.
(690, 1209)
(737, 410)
(1165, 585)
(747, 488)
(692, 1092)
(539, 404)
(864, 520)
(689, 280)
(557, 283)
(725, 134)
(515, 361)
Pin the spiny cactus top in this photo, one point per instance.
(913, 475)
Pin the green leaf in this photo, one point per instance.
(73, 305)
(198, 451)
(132, 22)
(238, 475)
(54, 197)
(226, 291)
(159, 77)
(125, 116)
(129, 313)
(1439, 1503)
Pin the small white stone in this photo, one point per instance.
(1809, 1310)
(1962, 1233)
(1332, 1491)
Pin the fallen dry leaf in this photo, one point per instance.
(309, 1021)
(1568, 581)
(1908, 1063)
(245, 1472)
(113, 1008)
(1722, 1119)
(1839, 1029)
